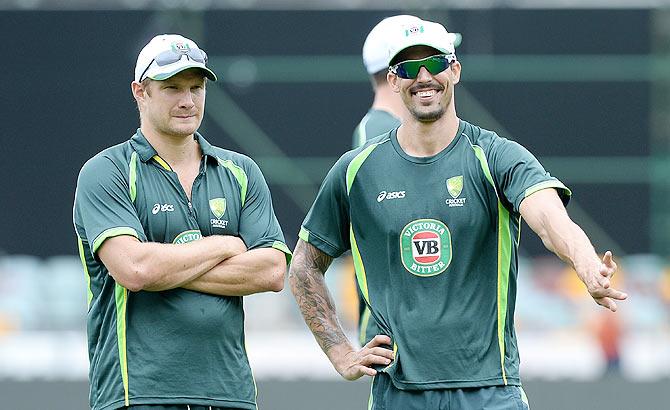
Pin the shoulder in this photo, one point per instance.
(489, 141)
(358, 155)
(108, 162)
(233, 159)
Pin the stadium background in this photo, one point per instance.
(585, 89)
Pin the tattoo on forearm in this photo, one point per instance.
(306, 277)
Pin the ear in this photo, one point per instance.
(394, 82)
(455, 71)
(139, 93)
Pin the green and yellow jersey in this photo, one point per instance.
(435, 247)
(176, 346)
(374, 123)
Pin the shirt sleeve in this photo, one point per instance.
(518, 174)
(326, 225)
(259, 227)
(103, 207)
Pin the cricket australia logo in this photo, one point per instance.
(218, 208)
(455, 187)
(425, 247)
(180, 48)
(188, 236)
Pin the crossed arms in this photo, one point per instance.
(217, 264)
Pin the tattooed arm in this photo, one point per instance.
(306, 277)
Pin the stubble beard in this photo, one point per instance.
(429, 116)
(433, 115)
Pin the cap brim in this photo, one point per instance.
(164, 76)
(437, 48)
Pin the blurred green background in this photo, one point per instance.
(584, 87)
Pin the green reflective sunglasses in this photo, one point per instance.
(434, 64)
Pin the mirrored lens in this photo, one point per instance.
(170, 56)
(434, 64)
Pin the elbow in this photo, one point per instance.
(135, 279)
(277, 280)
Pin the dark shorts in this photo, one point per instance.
(385, 396)
(176, 407)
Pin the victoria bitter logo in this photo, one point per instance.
(425, 247)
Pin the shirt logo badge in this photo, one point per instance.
(188, 236)
(425, 247)
(162, 208)
(455, 188)
(390, 195)
(218, 208)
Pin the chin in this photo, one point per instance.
(185, 130)
(429, 116)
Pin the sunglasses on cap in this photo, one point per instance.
(409, 69)
(171, 56)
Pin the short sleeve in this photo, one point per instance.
(103, 207)
(519, 174)
(259, 227)
(326, 225)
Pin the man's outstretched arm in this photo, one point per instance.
(306, 278)
(545, 214)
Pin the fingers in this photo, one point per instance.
(607, 303)
(372, 359)
(608, 292)
(609, 266)
(379, 340)
(607, 258)
(368, 371)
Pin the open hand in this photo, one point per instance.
(599, 286)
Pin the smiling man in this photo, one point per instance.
(172, 233)
(431, 212)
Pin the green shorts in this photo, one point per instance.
(385, 396)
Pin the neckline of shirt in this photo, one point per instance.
(433, 158)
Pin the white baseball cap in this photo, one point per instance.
(376, 46)
(168, 54)
(420, 33)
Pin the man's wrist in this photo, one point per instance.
(338, 353)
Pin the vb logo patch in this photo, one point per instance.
(218, 208)
(425, 247)
(188, 236)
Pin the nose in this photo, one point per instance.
(424, 75)
(186, 99)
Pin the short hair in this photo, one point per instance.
(379, 78)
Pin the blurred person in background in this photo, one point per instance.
(172, 233)
(383, 116)
(431, 213)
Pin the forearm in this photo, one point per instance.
(546, 215)
(569, 242)
(157, 266)
(254, 271)
(306, 278)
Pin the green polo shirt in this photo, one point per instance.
(435, 247)
(176, 346)
(373, 124)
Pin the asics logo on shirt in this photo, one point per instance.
(390, 195)
(162, 208)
